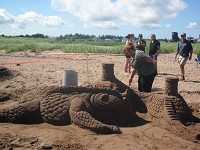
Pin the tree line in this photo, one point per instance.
(70, 37)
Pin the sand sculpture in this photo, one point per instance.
(104, 107)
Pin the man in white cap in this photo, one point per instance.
(185, 52)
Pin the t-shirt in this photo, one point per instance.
(142, 67)
(184, 48)
(139, 46)
(154, 47)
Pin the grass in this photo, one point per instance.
(171, 47)
(16, 44)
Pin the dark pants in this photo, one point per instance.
(145, 82)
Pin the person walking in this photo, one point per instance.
(128, 58)
(154, 48)
(146, 69)
(184, 50)
(140, 43)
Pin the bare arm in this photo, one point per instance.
(190, 55)
(177, 51)
(158, 49)
(132, 75)
(176, 55)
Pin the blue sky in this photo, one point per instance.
(100, 17)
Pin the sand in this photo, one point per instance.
(31, 70)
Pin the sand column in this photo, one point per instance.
(108, 72)
(171, 86)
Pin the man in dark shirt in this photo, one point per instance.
(185, 52)
(140, 43)
(154, 48)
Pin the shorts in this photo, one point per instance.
(154, 56)
(127, 56)
(182, 60)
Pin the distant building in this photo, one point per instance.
(191, 39)
(97, 39)
(198, 40)
(109, 40)
(124, 39)
(52, 38)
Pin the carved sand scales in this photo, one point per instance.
(104, 107)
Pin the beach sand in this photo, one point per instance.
(31, 70)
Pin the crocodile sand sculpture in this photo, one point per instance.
(98, 109)
(105, 107)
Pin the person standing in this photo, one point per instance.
(140, 43)
(154, 48)
(146, 69)
(129, 50)
(128, 58)
(184, 50)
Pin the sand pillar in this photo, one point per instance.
(171, 86)
(108, 72)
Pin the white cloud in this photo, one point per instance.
(52, 21)
(192, 25)
(23, 20)
(18, 25)
(29, 17)
(102, 25)
(100, 13)
(5, 17)
(168, 25)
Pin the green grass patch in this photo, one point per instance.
(16, 44)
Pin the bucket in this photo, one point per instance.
(70, 78)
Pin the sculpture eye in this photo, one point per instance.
(104, 97)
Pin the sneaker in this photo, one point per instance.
(181, 78)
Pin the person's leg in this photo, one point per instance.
(129, 66)
(182, 62)
(127, 61)
(154, 57)
(147, 82)
(139, 84)
(182, 67)
(126, 65)
(150, 81)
